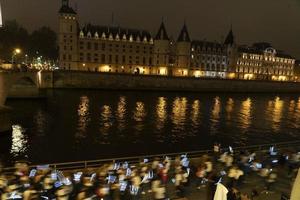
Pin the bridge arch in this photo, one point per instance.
(24, 83)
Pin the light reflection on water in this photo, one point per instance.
(161, 111)
(83, 117)
(178, 116)
(215, 115)
(245, 115)
(121, 113)
(19, 142)
(106, 123)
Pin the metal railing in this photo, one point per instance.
(135, 159)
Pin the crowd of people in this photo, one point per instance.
(220, 173)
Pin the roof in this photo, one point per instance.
(203, 43)
(162, 33)
(184, 35)
(259, 48)
(229, 38)
(116, 30)
(67, 9)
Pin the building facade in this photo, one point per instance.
(209, 59)
(262, 62)
(115, 49)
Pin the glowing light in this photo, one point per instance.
(197, 73)
(231, 75)
(106, 122)
(139, 112)
(229, 109)
(19, 141)
(104, 68)
(121, 112)
(83, 116)
(215, 115)
(138, 115)
(17, 51)
(163, 71)
(179, 110)
(248, 76)
(245, 114)
(195, 113)
(161, 111)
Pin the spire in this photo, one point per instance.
(184, 34)
(65, 3)
(65, 8)
(162, 33)
(230, 37)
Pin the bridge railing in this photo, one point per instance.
(135, 159)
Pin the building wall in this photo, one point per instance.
(68, 41)
(111, 53)
(209, 60)
(264, 67)
(115, 55)
(133, 82)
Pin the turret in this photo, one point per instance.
(68, 36)
(231, 49)
(183, 51)
(161, 51)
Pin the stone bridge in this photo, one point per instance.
(20, 82)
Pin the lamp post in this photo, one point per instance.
(15, 52)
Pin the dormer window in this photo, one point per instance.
(96, 35)
(145, 39)
(151, 40)
(124, 37)
(131, 38)
(89, 35)
(81, 34)
(110, 37)
(138, 39)
(117, 37)
(103, 36)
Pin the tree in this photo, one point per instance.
(12, 36)
(44, 41)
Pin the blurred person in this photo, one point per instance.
(200, 175)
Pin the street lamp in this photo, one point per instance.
(15, 52)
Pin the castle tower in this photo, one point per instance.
(68, 37)
(161, 51)
(231, 49)
(183, 52)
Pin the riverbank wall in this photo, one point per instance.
(93, 80)
(5, 119)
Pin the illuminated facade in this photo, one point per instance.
(262, 62)
(209, 59)
(114, 49)
(120, 50)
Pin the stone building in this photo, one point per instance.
(263, 62)
(209, 59)
(297, 71)
(115, 49)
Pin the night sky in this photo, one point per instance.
(274, 21)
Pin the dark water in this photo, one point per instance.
(75, 125)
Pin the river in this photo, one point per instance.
(73, 125)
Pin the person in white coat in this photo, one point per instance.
(221, 192)
(295, 195)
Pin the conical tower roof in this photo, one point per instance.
(162, 33)
(184, 35)
(229, 38)
(65, 8)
